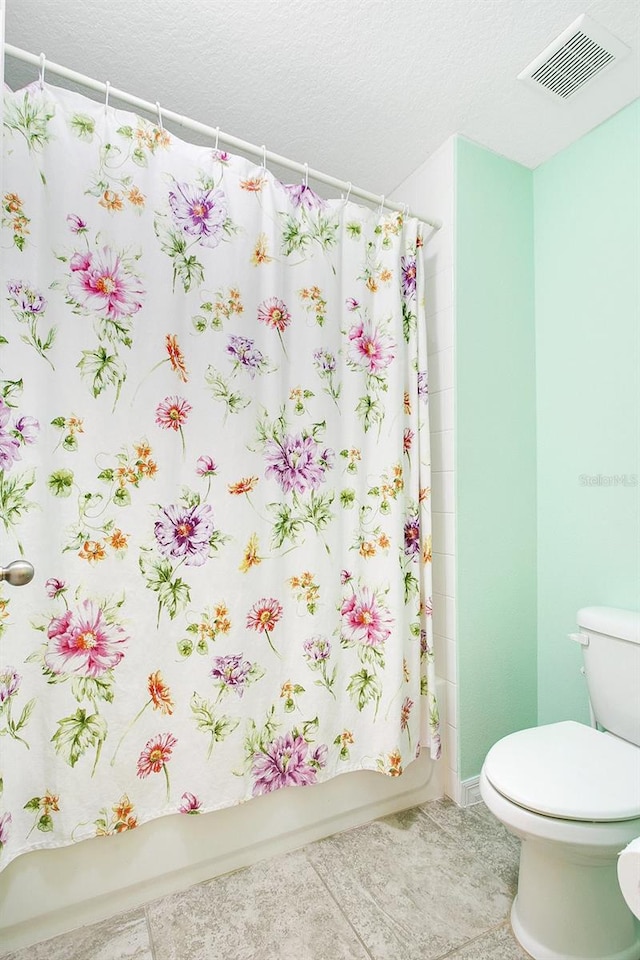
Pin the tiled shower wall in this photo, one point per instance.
(429, 191)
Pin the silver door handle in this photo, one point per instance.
(17, 573)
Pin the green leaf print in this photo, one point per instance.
(76, 734)
(83, 126)
(30, 119)
(364, 687)
(13, 499)
(60, 483)
(218, 728)
(102, 369)
(221, 390)
(174, 595)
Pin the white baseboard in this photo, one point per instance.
(470, 792)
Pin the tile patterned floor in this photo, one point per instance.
(429, 883)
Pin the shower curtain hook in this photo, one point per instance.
(107, 87)
(264, 157)
(306, 174)
(42, 63)
(159, 115)
(346, 199)
(381, 206)
(217, 137)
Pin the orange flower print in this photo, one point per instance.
(123, 818)
(253, 184)
(372, 285)
(395, 764)
(251, 558)
(160, 693)
(12, 202)
(176, 357)
(135, 197)
(385, 276)
(143, 450)
(111, 200)
(92, 550)
(367, 549)
(260, 253)
(118, 540)
(246, 485)
(383, 541)
(407, 403)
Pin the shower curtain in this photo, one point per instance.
(215, 450)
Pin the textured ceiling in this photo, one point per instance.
(364, 90)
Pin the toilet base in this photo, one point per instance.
(574, 905)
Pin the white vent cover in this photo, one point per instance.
(585, 50)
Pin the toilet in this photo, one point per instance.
(571, 793)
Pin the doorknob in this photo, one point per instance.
(17, 573)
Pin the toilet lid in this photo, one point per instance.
(567, 770)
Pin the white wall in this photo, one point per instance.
(430, 191)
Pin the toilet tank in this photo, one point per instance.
(610, 641)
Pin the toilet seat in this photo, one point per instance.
(569, 771)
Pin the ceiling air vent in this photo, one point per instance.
(584, 51)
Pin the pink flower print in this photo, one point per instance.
(407, 440)
(199, 213)
(206, 467)
(81, 642)
(9, 683)
(274, 314)
(297, 462)
(155, 754)
(100, 284)
(172, 412)
(76, 224)
(189, 803)
(365, 620)
(54, 587)
(370, 348)
(263, 617)
(185, 532)
(352, 304)
(283, 764)
(155, 757)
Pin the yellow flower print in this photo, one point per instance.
(251, 558)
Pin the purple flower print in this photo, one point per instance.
(189, 803)
(5, 823)
(9, 443)
(319, 756)
(27, 299)
(28, 428)
(284, 763)
(412, 537)
(423, 384)
(199, 213)
(297, 462)
(184, 533)
(9, 683)
(408, 267)
(206, 467)
(352, 304)
(303, 196)
(242, 351)
(317, 649)
(324, 361)
(231, 672)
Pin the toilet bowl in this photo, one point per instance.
(572, 795)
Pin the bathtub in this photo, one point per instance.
(48, 892)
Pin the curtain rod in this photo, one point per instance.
(196, 126)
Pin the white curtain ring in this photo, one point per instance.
(217, 137)
(306, 174)
(264, 157)
(159, 115)
(107, 88)
(42, 65)
(349, 185)
(381, 206)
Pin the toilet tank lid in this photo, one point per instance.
(611, 622)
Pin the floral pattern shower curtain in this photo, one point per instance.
(215, 450)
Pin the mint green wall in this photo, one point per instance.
(495, 466)
(587, 269)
